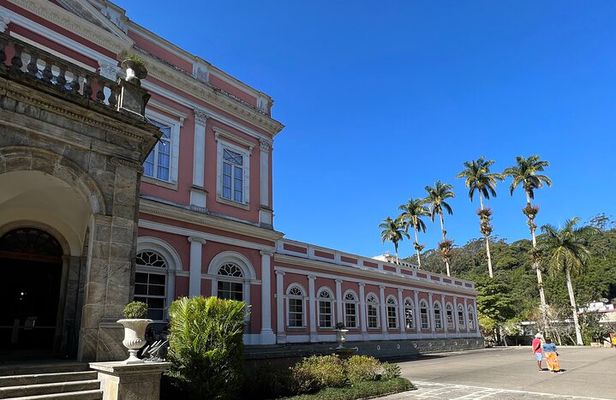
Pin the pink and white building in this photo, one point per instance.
(206, 212)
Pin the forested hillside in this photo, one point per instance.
(512, 295)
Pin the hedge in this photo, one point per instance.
(360, 390)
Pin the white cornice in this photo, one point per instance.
(226, 135)
(168, 211)
(73, 23)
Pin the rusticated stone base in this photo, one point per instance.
(121, 381)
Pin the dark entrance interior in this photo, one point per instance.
(31, 267)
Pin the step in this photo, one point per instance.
(80, 395)
(42, 368)
(48, 388)
(36, 379)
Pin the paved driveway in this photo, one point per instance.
(511, 373)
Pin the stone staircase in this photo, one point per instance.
(66, 381)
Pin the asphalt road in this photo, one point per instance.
(511, 373)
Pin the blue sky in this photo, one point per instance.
(381, 99)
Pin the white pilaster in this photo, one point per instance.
(339, 315)
(313, 308)
(476, 317)
(362, 310)
(281, 336)
(401, 315)
(417, 312)
(431, 312)
(465, 313)
(197, 193)
(267, 335)
(196, 250)
(455, 314)
(384, 321)
(443, 314)
(265, 211)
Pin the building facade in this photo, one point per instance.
(98, 206)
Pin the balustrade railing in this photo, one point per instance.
(21, 59)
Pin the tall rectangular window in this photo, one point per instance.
(296, 313)
(233, 176)
(158, 163)
(373, 319)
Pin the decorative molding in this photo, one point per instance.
(201, 116)
(109, 70)
(226, 135)
(5, 20)
(265, 145)
(192, 239)
(153, 103)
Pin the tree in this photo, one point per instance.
(437, 196)
(393, 231)
(478, 178)
(412, 212)
(526, 173)
(566, 251)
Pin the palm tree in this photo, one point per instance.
(437, 196)
(478, 178)
(527, 174)
(411, 215)
(566, 250)
(393, 230)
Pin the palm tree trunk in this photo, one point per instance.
(487, 242)
(578, 332)
(444, 238)
(397, 258)
(544, 306)
(417, 249)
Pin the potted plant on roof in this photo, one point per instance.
(135, 68)
(135, 323)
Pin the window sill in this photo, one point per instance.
(296, 328)
(158, 182)
(232, 203)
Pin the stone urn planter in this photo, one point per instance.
(135, 69)
(341, 333)
(135, 323)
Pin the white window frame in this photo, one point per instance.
(408, 305)
(175, 125)
(423, 305)
(304, 305)
(329, 300)
(391, 302)
(460, 316)
(471, 317)
(221, 145)
(438, 322)
(149, 270)
(448, 310)
(232, 279)
(372, 303)
(355, 304)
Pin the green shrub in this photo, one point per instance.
(390, 371)
(360, 390)
(362, 368)
(318, 372)
(205, 346)
(136, 310)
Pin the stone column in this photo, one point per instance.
(265, 211)
(431, 313)
(194, 286)
(313, 308)
(384, 321)
(465, 313)
(475, 317)
(443, 314)
(120, 381)
(281, 336)
(362, 310)
(110, 266)
(417, 312)
(401, 312)
(267, 335)
(197, 192)
(339, 304)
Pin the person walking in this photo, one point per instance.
(536, 349)
(551, 356)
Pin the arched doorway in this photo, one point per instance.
(31, 267)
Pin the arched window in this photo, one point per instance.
(295, 306)
(151, 283)
(326, 308)
(438, 317)
(471, 318)
(409, 314)
(423, 314)
(230, 282)
(350, 310)
(392, 313)
(372, 308)
(461, 316)
(449, 314)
